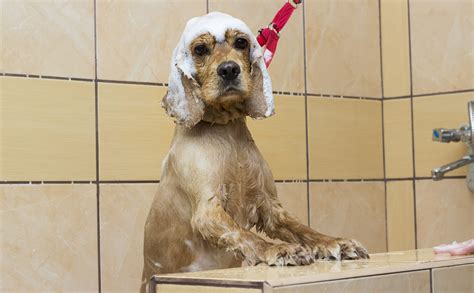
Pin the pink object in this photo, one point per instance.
(268, 37)
(455, 248)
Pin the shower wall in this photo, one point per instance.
(358, 87)
(427, 61)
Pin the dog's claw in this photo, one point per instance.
(340, 249)
(286, 254)
(358, 248)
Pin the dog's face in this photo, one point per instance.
(223, 69)
(217, 67)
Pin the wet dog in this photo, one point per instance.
(215, 184)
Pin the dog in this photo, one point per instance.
(215, 184)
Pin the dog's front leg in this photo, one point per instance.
(278, 223)
(218, 228)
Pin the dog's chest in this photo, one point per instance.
(241, 190)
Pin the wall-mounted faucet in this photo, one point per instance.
(464, 134)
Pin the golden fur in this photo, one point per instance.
(216, 186)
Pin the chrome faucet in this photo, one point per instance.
(464, 134)
(438, 173)
(452, 135)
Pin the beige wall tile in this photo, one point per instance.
(448, 111)
(444, 212)
(404, 282)
(49, 238)
(135, 132)
(395, 48)
(400, 215)
(282, 138)
(441, 40)
(352, 210)
(48, 129)
(48, 38)
(2, 127)
(287, 67)
(398, 138)
(2, 69)
(453, 279)
(343, 50)
(345, 138)
(136, 38)
(294, 198)
(123, 212)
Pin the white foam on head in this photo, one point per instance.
(215, 23)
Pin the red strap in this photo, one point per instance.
(268, 37)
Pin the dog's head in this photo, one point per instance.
(217, 64)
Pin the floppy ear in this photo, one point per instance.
(182, 101)
(259, 104)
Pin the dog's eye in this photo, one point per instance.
(241, 43)
(200, 50)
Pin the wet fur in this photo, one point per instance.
(216, 186)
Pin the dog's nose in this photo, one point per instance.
(228, 70)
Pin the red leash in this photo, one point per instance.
(268, 37)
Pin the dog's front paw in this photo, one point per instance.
(339, 249)
(352, 249)
(287, 254)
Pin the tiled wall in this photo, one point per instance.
(427, 61)
(358, 87)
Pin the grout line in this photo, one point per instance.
(443, 93)
(97, 169)
(347, 180)
(431, 280)
(322, 95)
(132, 82)
(308, 194)
(430, 94)
(35, 76)
(128, 181)
(384, 173)
(14, 75)
(335, 96)
(365, 180)
(447, 177)
(399, 179)
(63, 182)
(383, 124)
(53, 77)
(81, 79)
(412, 125)
(287, 93)
(11, 182)
(397, 98)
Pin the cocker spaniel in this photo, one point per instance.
(215, 184)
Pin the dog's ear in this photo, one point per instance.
(182, 100)
(259, 104)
